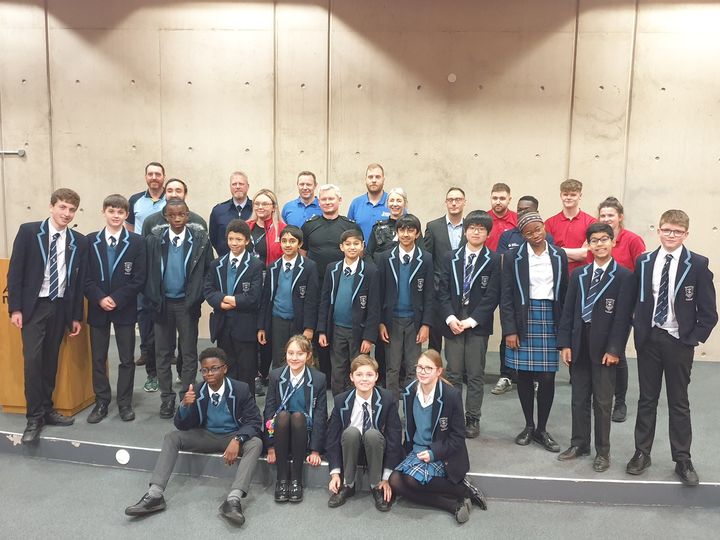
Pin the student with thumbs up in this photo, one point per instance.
(220, 416)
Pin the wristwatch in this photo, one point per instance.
(241, 438)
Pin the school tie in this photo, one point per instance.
(287, 266)
(176, 241)
(347, 272)
(406, 259)
(661, 310)
(111, 255)
(367, 423)
(215, 399)
(467, 279)
(592, 294)
(231, 275)
(54, 291)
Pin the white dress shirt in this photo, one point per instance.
(541, 275)
(61, 266)
(671, 324)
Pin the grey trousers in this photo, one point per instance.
(342, 351)
(373, 443)
(465, 355)
(177, 319)
(206, 442)
(402, 351)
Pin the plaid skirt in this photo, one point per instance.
(538, 349)
(421, 471)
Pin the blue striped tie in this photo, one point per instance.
(54, 281)
(367, 423)
(467, 279)
(661, 310)
(592, 295)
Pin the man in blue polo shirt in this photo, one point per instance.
(237, 206)
(366, 210)
(298, 211)
(150, 201)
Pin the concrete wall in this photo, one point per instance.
(621, 94)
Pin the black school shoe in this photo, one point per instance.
(99, 412)
(146, 505)
(296, 491)
(339, 498)
(380, 503)
(232, 510)
(282, 491)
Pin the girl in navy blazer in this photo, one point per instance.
(295, 418)
(433, 473)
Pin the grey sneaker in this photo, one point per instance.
(151, 385)
(503, 385)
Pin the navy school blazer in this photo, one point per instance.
(484, 290)
(27, 270)
(247, 291)
(240, 402)
(304, 295)
(611, 313)
(365, 301)
(695, 303)
(421, 280)
(315, 390)
(385, 418)
(448, 432)
(122, 283)
(515, 288)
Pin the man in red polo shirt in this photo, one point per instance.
(503, 218)
(568, 227)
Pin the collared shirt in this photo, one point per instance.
(569, 232)
(455, 232)
(541, 275)
(296, 379)
(402, 253)
(603, 267)
(366, 214)
(500, 225)
(426, 401)
(240, 204)
(284, 262)
(142, 205)
(473, 323)
(220, 391)
(181, 234)
(296, 212)
(61, 266)
(356, 416)
(352, 267)
(109, 235)
(671, 324)
(237, 257)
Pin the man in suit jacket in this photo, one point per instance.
(675, 310)
(363, 419)
(237, 206)
(115, 276)
(406, 277)
(442, 235)
(592, 335)
(45, 296)
(233, 288)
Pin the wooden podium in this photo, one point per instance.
(73, 386)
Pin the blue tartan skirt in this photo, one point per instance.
(538, 349)
(421, 471)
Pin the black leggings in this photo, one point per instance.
(545, 396)
(290, 439)
(439, 492)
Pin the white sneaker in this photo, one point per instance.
(503, 385)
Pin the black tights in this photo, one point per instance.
(439, 492)
(290, 438)
(545, 396)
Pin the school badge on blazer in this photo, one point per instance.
(484, 280)
(245, 287)
(689, 293)
(609, 305)
(301, 291)
(127, 267)
(443, 423)
(363, 301)
(420, 284)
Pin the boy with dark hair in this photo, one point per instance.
(349, 309)
(290, 297)
(115, 276)
(592, 335)
(468, 294)
(221, 416)
(177, 263)
(233, 288)
(406, 279)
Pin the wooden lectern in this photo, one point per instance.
(73, 386)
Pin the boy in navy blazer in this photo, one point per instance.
(221, 416)
(349, 309)
(289, 303)
(115, 276)
(674, 311)
(592, 335)
(45, 296)
(364, 419)
(468, 294)
(233, 288)
(406, 279)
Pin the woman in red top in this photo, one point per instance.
(265, 227)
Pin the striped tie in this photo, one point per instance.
(661, 310)
(592, 295)
(467, 279)
(54, 284)
(367, 423)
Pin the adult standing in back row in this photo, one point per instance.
(237, 206)
(366, 210)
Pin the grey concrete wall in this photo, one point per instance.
(621, 94)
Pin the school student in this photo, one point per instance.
(221, 416)
(433, 472)
(177, 263)
(233, 287)
(290, 297)
(592, 335)
(45, 296)
(406, 278)
(295, 418)
(349, 309)
(533, 289)
(467, 296)
(675, 310)
(115, 277)
(364, 421)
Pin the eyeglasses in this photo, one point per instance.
(603, 240)
(425, 370)
(454, 200)
(211, 369)
(476, 229)
(672, 232)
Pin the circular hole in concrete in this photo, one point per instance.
(452, 78)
